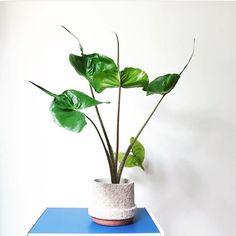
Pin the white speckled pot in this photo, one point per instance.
(112, 202)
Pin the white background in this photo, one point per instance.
(189, 182)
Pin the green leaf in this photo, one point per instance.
(133, 78)
(75, 100)
(66, 107)
(136, 157)
(68, 119)
(163, 84)
(101, 71)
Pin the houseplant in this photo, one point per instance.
(103, 73)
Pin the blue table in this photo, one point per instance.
(76, 221)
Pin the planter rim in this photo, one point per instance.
(107, 181)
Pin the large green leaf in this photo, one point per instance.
(133, 77)
(68, 119)
(73, 99)
(101, 71)
(136, 157)
(163, 84)
(66, 107)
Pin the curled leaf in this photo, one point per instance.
(65, 108)
(101, 71)
(162, 84)
(165, 83)
(133, 78)
(136, 158)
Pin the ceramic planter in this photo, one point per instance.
(112, 204)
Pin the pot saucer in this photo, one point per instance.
(112, 222)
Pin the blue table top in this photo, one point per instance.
(77, 221)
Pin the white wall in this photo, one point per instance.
(189, 182)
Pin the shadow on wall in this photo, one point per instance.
(192, 157)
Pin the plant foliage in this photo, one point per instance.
(102, 73)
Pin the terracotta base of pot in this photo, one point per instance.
(112, 222)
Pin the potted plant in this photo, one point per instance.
(113, 201)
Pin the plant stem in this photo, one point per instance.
(118, 129)
(189, 58)
(122, 164)
(80, 46)
(118, 105)
(105, 149)
(111, 156)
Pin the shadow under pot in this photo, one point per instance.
(112, 204)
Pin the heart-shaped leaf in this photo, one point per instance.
(68, 119)
(163, 84)
(101, 71)
(136, 157)
(133, 78)
(66, 107)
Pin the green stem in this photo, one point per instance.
(122, 164)
(118, 105)
(111, 156)
(118, 129)
(113, 177)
